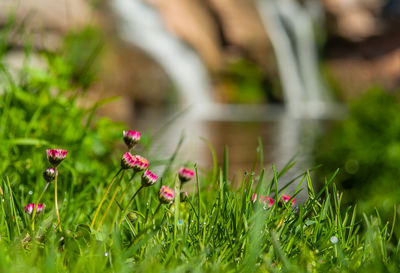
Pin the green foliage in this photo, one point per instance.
(80, 51)
(39, 109)
(366, 146)
(245, 83)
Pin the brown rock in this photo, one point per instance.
(355, 75)
(191, 21)
(242, 27)
(354, 20)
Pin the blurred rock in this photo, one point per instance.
(191, 21)
(391, 11)
(355, 20)
(356, 75)
(242, 28)
(358, 66)
(218, 28)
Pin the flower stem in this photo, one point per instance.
(108, 208)
(103, 198)
(127, 206)
(195, 213)
(133, 175)
(155, 212)
(121, 199)
(197, 216)
(112, 200)
(35, 207)
(56, 204)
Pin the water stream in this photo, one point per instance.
(290, 28)
(142, 25)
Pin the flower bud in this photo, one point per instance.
(183, 196)
(30, 207)
(148, 178)
(128, 161)
(131, 138)
(166, 195)
(266, 200)
(141, 163)
(254, 197)
(50, 174)
(287, 197)
(68, 233)
(132, 216)
(55, 156)
(39, 208)
(185, 174)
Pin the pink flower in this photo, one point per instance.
(141, 163)
(128, 161)
(148, 178)
(50, 174)
(39, 208)
(30, 207)
(267, 200)
(55, 156)
(166, 195)
(287, 197)
(254, 197)
(131, 138)
(185, 174)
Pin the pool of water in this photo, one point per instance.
(282, 136)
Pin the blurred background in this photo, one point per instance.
(314, 79)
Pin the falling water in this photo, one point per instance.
(290, 27)
(143, 26)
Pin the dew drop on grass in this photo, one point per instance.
(147, 204)
(106, 254)
(334, 240)
(30, 192)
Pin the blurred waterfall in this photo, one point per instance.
(142, 25)
(290, 28)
